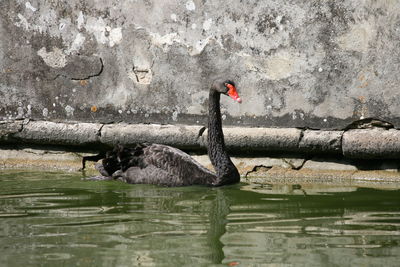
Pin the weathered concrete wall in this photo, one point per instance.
(304, 63)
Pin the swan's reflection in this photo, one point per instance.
(219, 212)
(345, 215)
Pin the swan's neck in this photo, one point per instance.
(225, 169)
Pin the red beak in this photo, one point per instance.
(233, 93)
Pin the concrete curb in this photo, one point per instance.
(326, 142)
(51, 133)
(181, 136)
(356, 143)
(372, 143)
(262, 139)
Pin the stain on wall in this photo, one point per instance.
(316, 64)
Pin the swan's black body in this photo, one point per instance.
(165, 165)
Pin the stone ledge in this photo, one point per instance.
(181, 136)
(259, 170)
(278, 175)
(327, 142)
(376, 143)
(42, 159)
(371, 143)
(263, 139)
(51, 133)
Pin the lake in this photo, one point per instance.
(58, 219)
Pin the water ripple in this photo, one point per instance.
(67, 221)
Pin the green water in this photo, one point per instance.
(57, 219)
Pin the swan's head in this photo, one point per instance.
(227, 87)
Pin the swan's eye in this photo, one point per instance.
(228, 86)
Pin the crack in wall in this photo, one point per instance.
(142, 76)
(65, 74)
(10, 129)
(369, 123)
(294, 167)
(257, 168)
(99, 131)
(341, 143)
(300, 137)
(201, 131)
(91, 75)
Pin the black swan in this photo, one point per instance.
(168, 166)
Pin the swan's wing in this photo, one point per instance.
(148, 175)
(165, 165)
(170, 159)
(155, 164)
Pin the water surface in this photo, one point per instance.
(57, 219)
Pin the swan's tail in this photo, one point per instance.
(120, 158)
